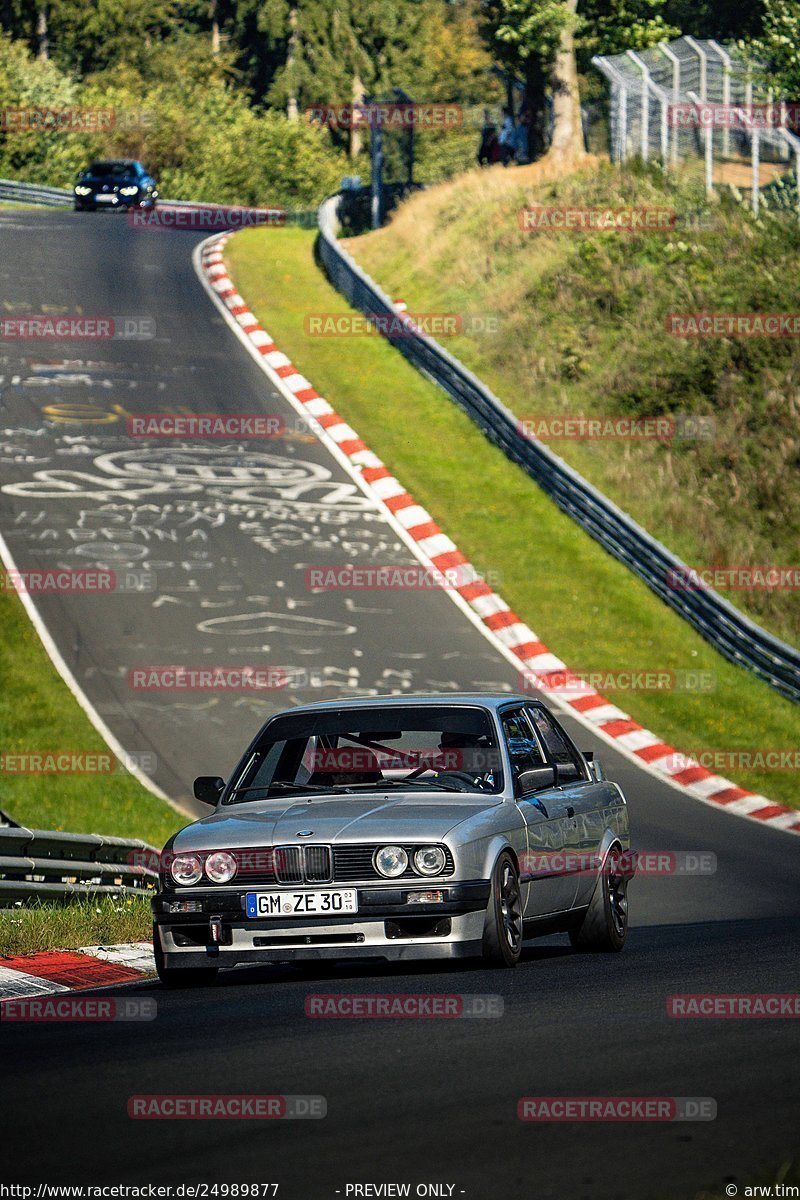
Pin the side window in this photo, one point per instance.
(559, 750)
(522, 747)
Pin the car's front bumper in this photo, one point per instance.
(386, 926)
(112, 201)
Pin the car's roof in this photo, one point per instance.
(491, 700)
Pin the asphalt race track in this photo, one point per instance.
(218, 538)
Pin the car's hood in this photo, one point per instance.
(377, 817)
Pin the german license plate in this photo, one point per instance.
(301, 904)
(105, 199)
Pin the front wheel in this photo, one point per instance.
(179, 976)
(502, 931)
(604, 925)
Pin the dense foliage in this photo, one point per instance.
(226, 84)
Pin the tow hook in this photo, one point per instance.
(215, 933)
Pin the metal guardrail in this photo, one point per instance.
(734, 635)
(34, 193)
(50, 197)
(38, 864)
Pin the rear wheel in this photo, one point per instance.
(502, 931)
(180, 976)
(604, 925)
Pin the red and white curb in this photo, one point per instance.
(488, 610)
(51, 971)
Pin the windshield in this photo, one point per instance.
(117, 170)
(353, 752)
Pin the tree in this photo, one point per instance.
(534, 39)
(614, 26)
(339, 53)
(86, 36)
(778, 48)
(539, 41)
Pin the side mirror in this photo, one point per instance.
(534, 779)
(208, 788)
(594, 765)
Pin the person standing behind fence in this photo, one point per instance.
(507, 137)
(488, 140)
(521, 147)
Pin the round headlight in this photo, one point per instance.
(390, 861)
(186, 869)
(430, 860)
(220, 867)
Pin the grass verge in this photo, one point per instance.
(18, 204)
(38, 712)
(105, 921)
(581, 329)
(583, 604)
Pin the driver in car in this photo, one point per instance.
(470, 756)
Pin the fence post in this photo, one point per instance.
(709, 145)
(623, 120)
(755, 151)
(664, 134)
(672, 57)
(701, 54)
(634, 57)
(726, 93)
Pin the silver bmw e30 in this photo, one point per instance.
(397, 828)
